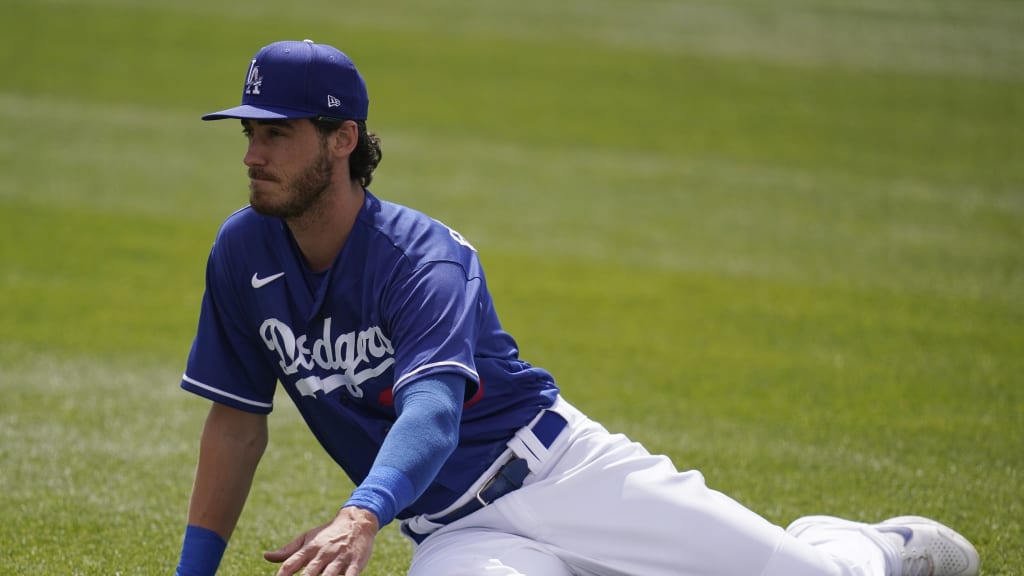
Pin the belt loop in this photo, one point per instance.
(532, 443)
(548, 427)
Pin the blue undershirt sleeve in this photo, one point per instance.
(424, 435)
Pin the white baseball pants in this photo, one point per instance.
(598, 504)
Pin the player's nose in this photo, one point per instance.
(253, 156)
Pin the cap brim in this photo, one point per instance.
(247, 112)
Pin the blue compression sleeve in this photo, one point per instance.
(425, 434)
(201, 552)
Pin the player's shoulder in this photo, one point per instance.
(243, 221)
(420, 237)
(246, 237)
(395, 219)
(244, 226)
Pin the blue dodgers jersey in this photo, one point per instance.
(405, 298)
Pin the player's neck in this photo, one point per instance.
(321, 232)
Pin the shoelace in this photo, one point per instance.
(918, 565)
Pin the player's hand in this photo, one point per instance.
(342, 547)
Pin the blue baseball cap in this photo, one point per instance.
(291, 79)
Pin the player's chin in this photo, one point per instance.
(263, 200)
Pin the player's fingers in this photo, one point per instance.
(282, 553)
(295, 562)
(315, 566)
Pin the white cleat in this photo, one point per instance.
(930, 549)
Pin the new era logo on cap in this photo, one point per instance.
(291, 79)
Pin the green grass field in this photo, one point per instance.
(781, 242)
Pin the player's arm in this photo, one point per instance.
(424, 435)
(232, 443)
(422, 438)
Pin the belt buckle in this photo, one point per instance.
(486, 485)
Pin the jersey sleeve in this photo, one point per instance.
(434, 319)
(225, 363)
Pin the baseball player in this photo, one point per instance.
(378, 323)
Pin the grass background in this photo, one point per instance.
(783, 244)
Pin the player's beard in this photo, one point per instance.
(302, 195)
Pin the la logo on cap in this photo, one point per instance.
(253, 81)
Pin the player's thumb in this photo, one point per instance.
(284, 552)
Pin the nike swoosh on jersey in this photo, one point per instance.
(258, 282)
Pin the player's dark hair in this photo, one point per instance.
(366, 155)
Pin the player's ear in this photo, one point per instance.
(343, 140)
